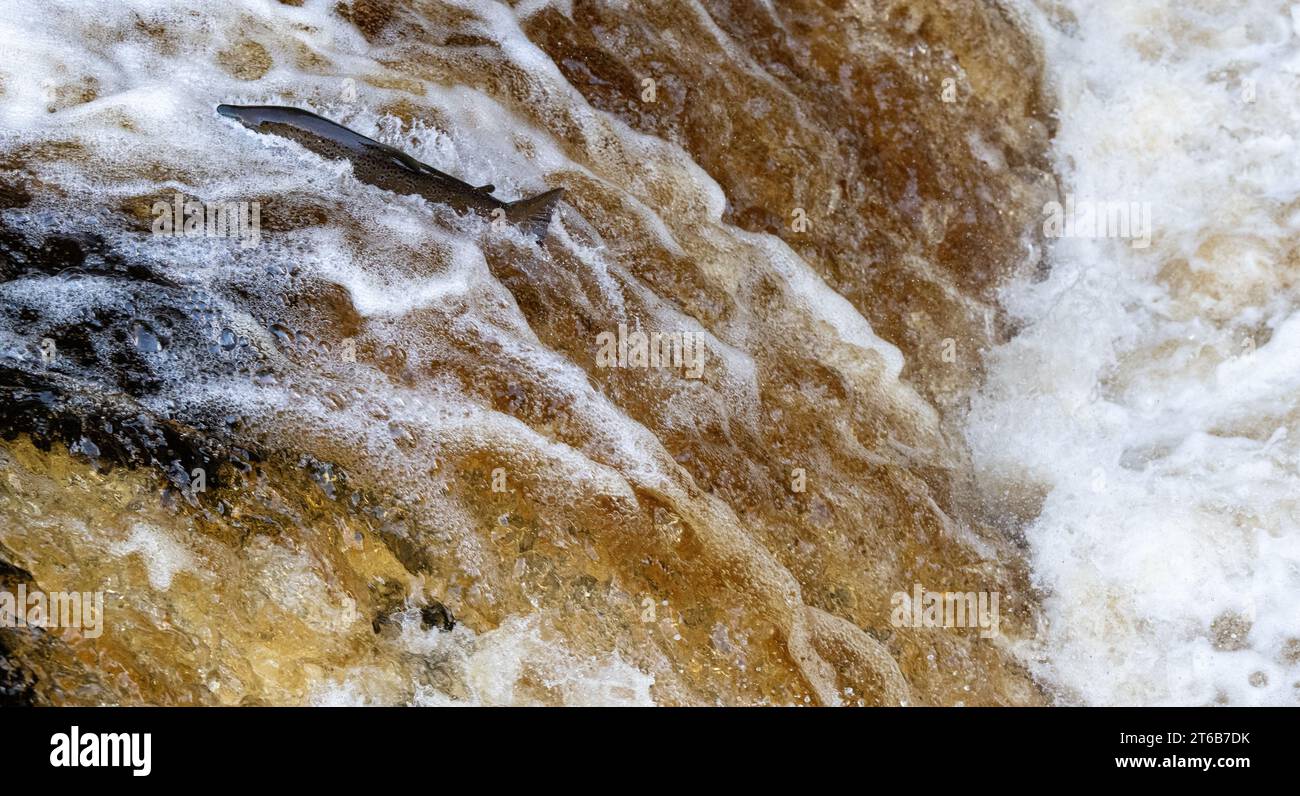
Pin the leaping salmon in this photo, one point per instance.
(391, 169)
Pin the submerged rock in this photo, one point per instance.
(436, 615)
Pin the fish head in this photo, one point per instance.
(255, 116)
(247, 115)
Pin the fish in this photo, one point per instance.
(393, 170)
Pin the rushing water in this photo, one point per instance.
(367, 450)
(1150, 399)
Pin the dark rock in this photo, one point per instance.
(435, 614)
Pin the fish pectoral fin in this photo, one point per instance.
(424, 169)
(397, 156)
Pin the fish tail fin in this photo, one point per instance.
(533, 215)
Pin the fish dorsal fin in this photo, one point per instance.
(487, 189)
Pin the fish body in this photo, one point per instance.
(391, 169)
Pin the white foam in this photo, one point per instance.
(1165, 451)
(162, 555)
(492, 667)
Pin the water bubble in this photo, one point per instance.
(283, 334)
(144, 338)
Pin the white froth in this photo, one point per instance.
(163, 556)
(1151, 398)
(493, 665)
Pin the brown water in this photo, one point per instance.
(793, 186)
